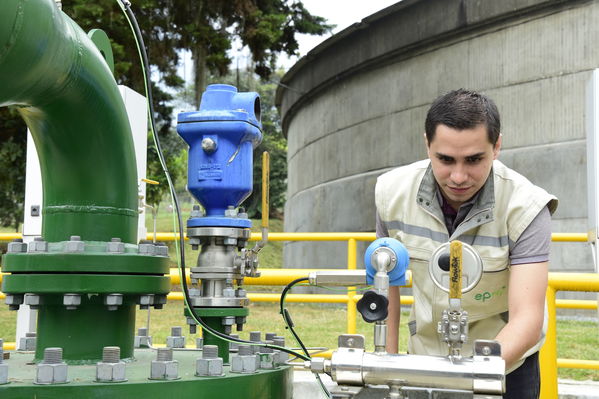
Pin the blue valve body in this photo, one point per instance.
(397, 276)
(220, 174)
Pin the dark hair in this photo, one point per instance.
(463, 109)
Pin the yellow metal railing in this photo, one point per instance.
(587, 282)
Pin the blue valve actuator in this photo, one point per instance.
(397, 276)
(221, 136)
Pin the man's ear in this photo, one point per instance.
(497, 147)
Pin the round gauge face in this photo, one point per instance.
(472, 267)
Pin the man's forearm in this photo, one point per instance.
(393, 320)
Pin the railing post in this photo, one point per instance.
(352, 250)
(548, 353)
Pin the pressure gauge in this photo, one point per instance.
(472, 267)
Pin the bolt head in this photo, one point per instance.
(33, 300)
(209, 145)
(113, 299)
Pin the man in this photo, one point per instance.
(463, 193)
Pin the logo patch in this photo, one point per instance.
(487, 296)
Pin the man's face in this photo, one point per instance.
(461, 161)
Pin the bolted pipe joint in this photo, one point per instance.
(111, 368)
(51, 370)
(176, 339)
(209, 365)
(245, 361)
(164, 367)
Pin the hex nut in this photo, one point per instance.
(16, 246)
(74, 245)
(33, 300)
(228, 320)
(317, 364)
(281, 357)
(115, 247)
(146, 249)
(145, 301)
(27, 344)
(3, 373)
(110, 372)
(14, 299)
(175, 342)
(161, 250)
(164, 370)
(113, 299)
(159, 301)
(209, 367)
(229, 292)
(267, 361)
(38, 245)
(142, 341)
(244, 364)
(51, 373)
(71, 301)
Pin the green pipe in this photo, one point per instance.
(65, 92)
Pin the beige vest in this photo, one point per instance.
(406, 201)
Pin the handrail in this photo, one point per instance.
(557, 282)
(164, 236)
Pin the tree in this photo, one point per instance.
(267, 27)
(204, 27)
(13, 138)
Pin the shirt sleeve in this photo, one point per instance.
(534, 242)
(381, 227)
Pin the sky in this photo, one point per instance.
(342, 13)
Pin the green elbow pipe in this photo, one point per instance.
(55, 76)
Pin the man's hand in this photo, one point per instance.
(526, 304)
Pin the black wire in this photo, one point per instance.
(289, 323)
(285, 313)
(146, 71)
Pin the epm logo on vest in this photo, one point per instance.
(487, 296)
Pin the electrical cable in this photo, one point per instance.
(180, 244)
(289, 324)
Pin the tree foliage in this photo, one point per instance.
(206, 28)
(13, 136)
